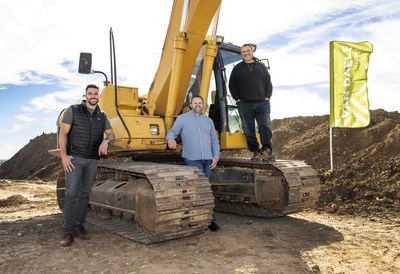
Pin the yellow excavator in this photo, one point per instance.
(143, 191)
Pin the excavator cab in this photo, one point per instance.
(219, 104)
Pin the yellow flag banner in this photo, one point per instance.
(349, 105)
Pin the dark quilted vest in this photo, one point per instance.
(86, 133)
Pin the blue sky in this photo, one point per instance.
(40, 42)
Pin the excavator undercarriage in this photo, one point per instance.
(262, 189)
(158, 198)
(259, 189)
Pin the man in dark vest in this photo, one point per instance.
(81, 143)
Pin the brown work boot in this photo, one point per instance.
(256, 156)
(67, 240)
(266, 156)
(81, 234)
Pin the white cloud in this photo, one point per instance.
(297, 102)
(14, 128)
(55, 101)
(9, 150)
(41, 41)
(24, 118)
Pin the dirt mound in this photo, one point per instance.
(366, 162)
(33, 160)
(307, 138)
(365, 179)
(13, 200)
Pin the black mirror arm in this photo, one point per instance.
(106, 82)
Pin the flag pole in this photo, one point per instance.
(331, 147)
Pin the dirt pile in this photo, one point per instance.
(13, 200)
(33, 161)
(366, 162)
(365, 179)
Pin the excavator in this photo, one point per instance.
(143, 191)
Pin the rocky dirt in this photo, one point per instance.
(355, 227)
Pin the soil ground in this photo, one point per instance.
(307, 242)
(355, 227)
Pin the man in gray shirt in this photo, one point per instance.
(200, 144)
(82, 143)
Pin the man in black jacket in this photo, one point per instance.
(251, 87)
(81, 145)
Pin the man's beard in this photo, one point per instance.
(198, 110)
(93, 104)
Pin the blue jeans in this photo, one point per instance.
(78, 184)
(251, 111)
(202, 165)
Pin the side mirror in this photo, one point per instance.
(85, 63)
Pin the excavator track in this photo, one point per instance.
(264, 189)
(258, 189)
(150, 202)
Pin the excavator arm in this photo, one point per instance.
(186, 34)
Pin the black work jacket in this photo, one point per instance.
(86, 133)
(250, 82)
